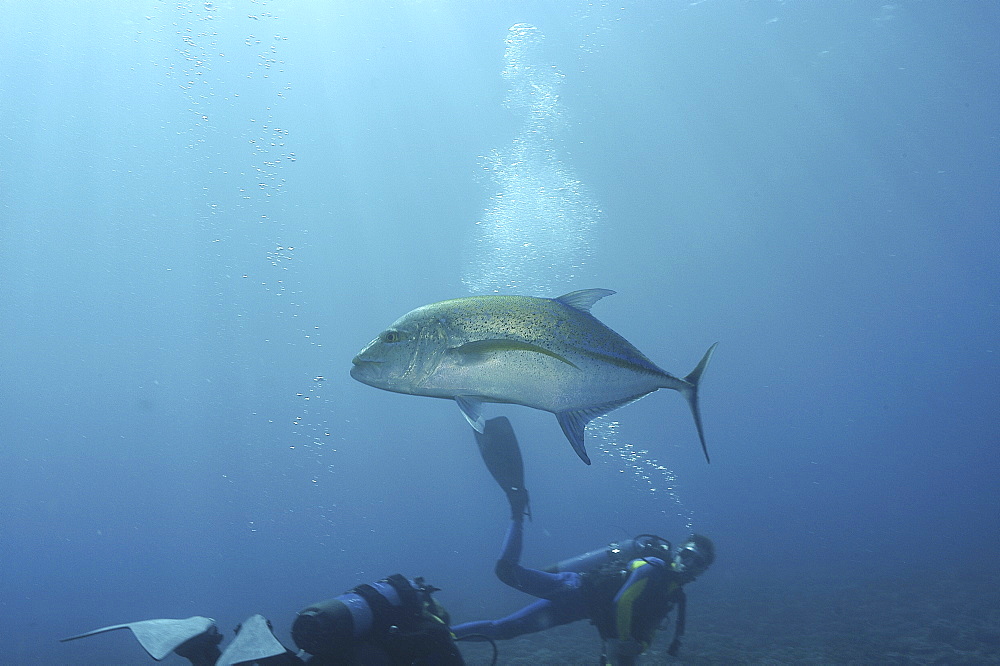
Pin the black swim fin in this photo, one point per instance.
(161, 637)
(502, 455)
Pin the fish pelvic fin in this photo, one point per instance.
(689, 389)
(472, 408)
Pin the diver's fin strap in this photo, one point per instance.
(675, 645)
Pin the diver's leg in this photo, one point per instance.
(537, 583)
(513, 542)
(541, 615)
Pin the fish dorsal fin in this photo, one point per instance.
(478, 351)
(472, 407)
(584, 299)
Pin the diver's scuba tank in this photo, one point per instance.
(328, 628)
(643, 545)
(393, 621)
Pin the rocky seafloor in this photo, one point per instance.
(923, 619)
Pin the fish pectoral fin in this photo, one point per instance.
(472, 408)
(478, 351)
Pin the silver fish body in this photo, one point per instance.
(545, 353)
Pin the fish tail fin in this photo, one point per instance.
(690, 392)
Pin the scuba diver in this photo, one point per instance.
(391, 622)
(626, 589)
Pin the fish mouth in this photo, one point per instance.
(359, 360)
(364, 369)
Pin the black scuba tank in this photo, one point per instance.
(334, 626)
(643, 545)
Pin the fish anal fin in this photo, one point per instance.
(584, 299)
(573, 425)
(574, 422)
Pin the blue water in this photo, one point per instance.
(207, 209)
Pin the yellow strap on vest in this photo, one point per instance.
(623, 613)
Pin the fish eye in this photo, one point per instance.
(392, 336)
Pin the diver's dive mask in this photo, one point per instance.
(689, 559)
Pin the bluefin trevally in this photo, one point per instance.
(546, 353)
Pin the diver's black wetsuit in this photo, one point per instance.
(627, 602)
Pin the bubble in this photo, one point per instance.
(537, 230)
(536, 234)
(648, 476)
